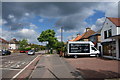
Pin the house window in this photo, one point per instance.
(109, 33)
(105, 34)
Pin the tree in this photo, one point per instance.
(60, 46)
(48, 36)
(23, 44)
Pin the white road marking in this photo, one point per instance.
(10, 69)
(25, 68)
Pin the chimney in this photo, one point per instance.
(78, 34)
(87, 29)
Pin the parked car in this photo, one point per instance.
(31, 52)
(6, 52)
(26, 51)
(22, 51)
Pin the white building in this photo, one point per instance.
(110, 38)
(13, 44)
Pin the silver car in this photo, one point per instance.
(31, 52)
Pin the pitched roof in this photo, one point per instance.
(115, 21)
(87, 34)
(13, 41)
(3, 41)
(97, 33)
(77, 38)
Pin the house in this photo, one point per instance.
(3, 44)
(84, 36)
(96, 39)
(13, 44)
(77, 38)
(110, 38)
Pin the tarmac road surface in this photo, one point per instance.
(12, 64)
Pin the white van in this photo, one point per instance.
(81, 48)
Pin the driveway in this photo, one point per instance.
(93, 68)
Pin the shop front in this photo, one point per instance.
(112, 49)
(109, 49)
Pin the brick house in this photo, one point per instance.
(84, 36)
(4, 45)
(96, 39)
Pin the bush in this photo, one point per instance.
(27, 49)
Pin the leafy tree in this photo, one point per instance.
(48, 36)
(60, 46)
(23, 44)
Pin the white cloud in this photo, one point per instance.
(100, 21)
(32, 26)
(5, 34)
(27, 14)
(71, 37)
(29, 34)
(72, 31)
(111, 9)
(41, 20)
(4, 22)
(58, 38)
(93, 27)
(59, 30)
(98, 24)
(10, 16)
(0, 22)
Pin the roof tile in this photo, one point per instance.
(115, 21)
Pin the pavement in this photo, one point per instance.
(54, 67)
(93, 68)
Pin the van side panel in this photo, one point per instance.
(79, 48)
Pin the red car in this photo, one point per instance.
(26, 51)
(22, 51)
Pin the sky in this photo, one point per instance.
(26, 20)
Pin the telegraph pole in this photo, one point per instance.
(61, 34)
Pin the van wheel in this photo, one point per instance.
(75, 56)
(97, 55)
(65, 55)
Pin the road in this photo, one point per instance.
(12, 64)
(21, 65)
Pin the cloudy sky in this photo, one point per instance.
(28, 19)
